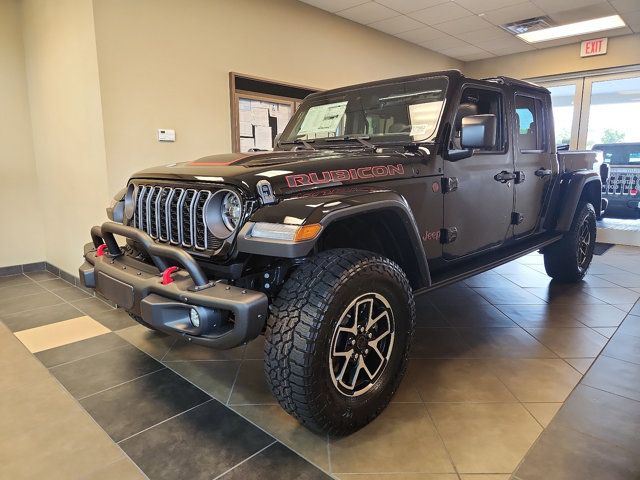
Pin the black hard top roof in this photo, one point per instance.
(452, 74)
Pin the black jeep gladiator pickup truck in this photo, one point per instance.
(374, 194)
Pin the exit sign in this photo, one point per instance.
(597, 46)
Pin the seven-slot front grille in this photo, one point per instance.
(175, 215)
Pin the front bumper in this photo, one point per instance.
(228, 316)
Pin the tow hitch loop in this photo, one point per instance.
(100, 250)
(166, 275)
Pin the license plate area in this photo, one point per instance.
(118, 292)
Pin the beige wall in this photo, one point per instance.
(20, 219)
(621, 51)
(64, 96)
(165, 64)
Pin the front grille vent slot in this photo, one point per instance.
(175, 215)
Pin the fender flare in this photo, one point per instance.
(571, 187)
(325, 212)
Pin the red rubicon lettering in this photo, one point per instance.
(328, 176)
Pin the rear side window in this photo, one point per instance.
(530, 123)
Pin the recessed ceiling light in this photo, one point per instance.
(571, 29)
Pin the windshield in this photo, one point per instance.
(397, 112)
(620, 154)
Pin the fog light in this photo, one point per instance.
(194, 316)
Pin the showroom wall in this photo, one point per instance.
(621, 51)
(166, 64)
(22, 239)
(68, 141)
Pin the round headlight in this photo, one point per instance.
(129, 202)
(223, 213)
(231, 210)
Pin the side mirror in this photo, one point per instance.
(479, 131)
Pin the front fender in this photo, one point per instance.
(325, 207)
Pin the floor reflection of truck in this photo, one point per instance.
(621, 188)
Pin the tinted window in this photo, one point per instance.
(530, 128)
(478, 101)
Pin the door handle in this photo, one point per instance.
(504, 176)
(543, 172)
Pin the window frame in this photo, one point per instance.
(541, 125)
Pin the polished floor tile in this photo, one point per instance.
(41, 276)
(503, 342)
(149, 400)
(78, 350)
(624, 347)
(402, 439)
(182, 350)
(251, 385)
(631, 326)
(561, 294)
(123, 469)
(214, 377)
(152, 342)
(595, 315)
(457, 381)
(15, 291)
(38, 317)
(398, 476)
(614, 295)
(536, 379)
(104, 370)
(274, 420)
(603, 415)
(543, 412)
(570, 342)
(427, 315)
(11, 280)
(614, 376)
(276, 462)
(564, 453)
(115, 319)
(438, 342)
(199, 444)
(71, 294)
(92, 306)
(61, 333)
(580, 364)
(484, 438)
(509, 296)
(490, 280)
(475, 316)
(12, 305)
(535, 316)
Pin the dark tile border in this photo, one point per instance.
(23, 268)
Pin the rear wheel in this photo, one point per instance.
(569, 259)
(338, 339)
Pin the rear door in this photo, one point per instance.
(533, 161)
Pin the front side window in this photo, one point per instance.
(479, 101)
(398, 112)
(529, 118)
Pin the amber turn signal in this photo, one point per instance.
(307, 232)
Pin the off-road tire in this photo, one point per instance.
(561, 259)
(300, 329)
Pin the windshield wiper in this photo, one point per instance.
(299, 141)
(361, 139)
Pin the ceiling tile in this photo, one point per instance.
(406, 6)
(475, 56)
(580, 14)
(420, 35)
(632, 19)
(367, 13)
(443, 43)
(500, 51)
(334, 5)
(552, 6)
(624, 6)
(464, 50)
(440, 13)
(511, 14)
(465, 24)
(483, 35)
(492, 45)
(479, 7)
(398, 24)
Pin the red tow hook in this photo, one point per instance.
(166, 275)
(100, 250)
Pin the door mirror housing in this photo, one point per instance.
(479, 131)
(457, 154)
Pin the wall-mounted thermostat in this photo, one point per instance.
(166, 135)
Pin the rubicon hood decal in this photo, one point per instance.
(333, 176)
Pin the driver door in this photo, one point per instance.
(480, 208)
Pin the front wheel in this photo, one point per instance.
(569, 259)
(338, 339)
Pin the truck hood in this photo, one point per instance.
(289, 171)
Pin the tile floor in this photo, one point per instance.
(495, 358)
